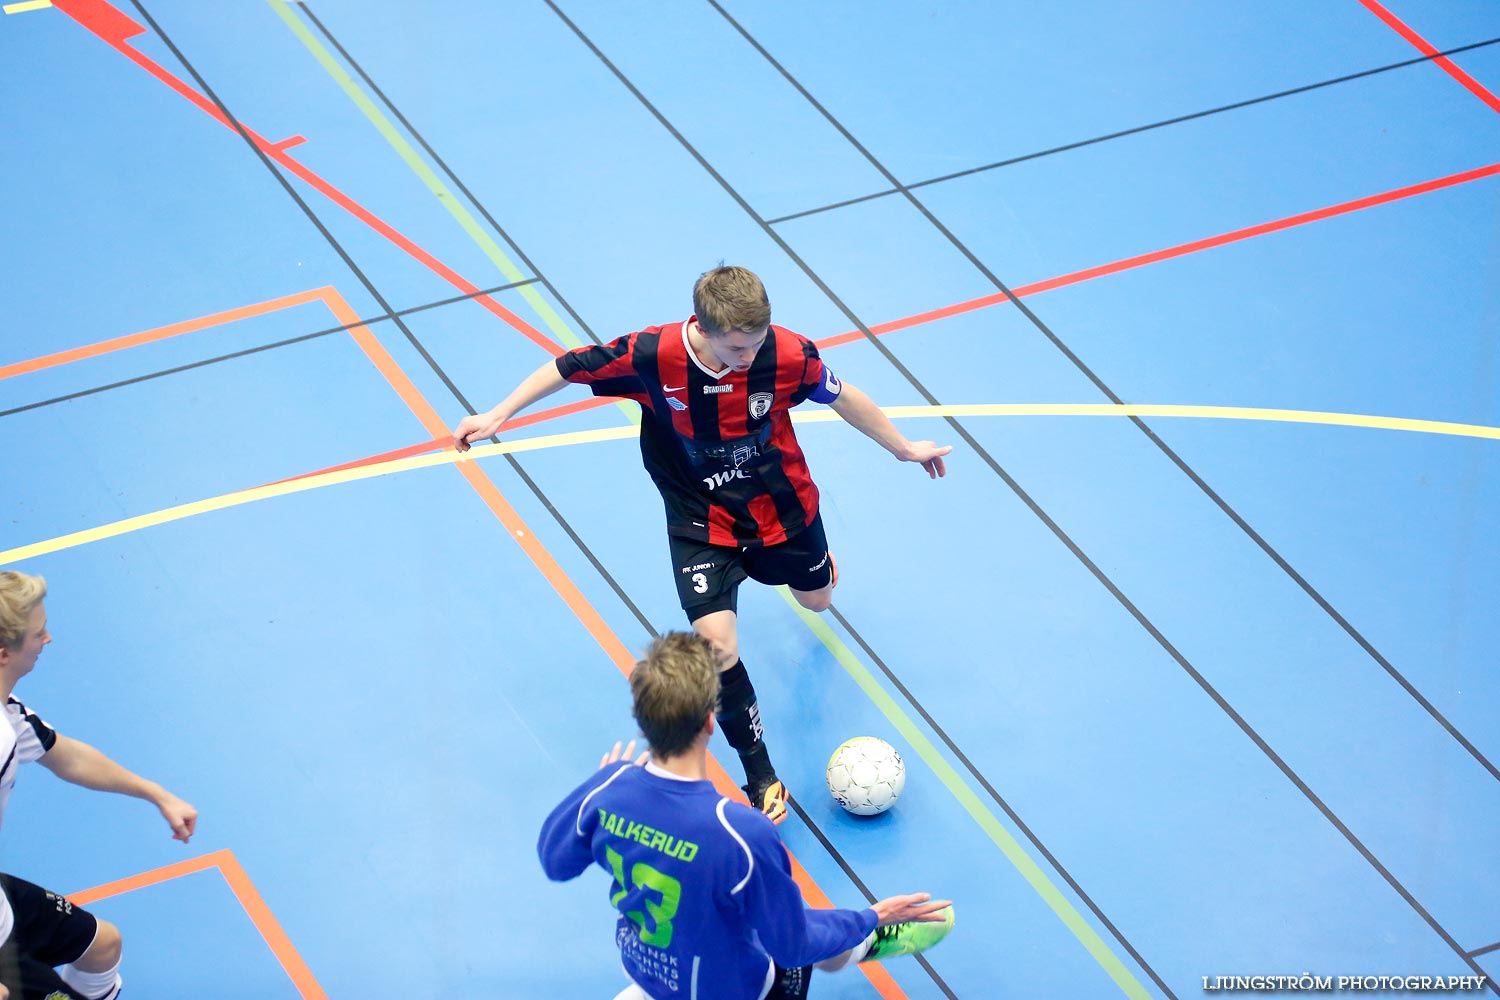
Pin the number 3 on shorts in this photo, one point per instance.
(700, 583)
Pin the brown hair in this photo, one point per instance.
(676, 688)
(19, 593)
(731, 298)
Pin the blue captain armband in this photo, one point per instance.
(828, 390)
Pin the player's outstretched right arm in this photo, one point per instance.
(538, 385)
(916, 906)
(78, 762)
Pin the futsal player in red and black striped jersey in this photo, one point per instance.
(716, 391)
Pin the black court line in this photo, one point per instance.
(263, 347)
(443, 165)
(1141, 425)
(292, 193)
(531, 484)
(1485, 950)
(1129, 131)
(1016, 488)
(927, 395)
(984, 783)
(859, 884)
(375, 293)
(557, 515)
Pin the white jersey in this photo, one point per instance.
(23, 739)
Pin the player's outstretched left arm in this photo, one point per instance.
(75, 761)
(860, 410)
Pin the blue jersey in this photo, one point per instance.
(703, 885)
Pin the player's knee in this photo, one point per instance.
(104, 953)
(728, 648)
(815, 600)
(726, 645)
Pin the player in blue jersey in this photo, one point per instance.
(703, 885)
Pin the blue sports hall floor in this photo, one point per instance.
(1191, 656)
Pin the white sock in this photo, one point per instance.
(93, 985)
(849, 957)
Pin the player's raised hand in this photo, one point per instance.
(929, 456)
(476, 428)
(917, 906)
(616, 754)
(180, 816)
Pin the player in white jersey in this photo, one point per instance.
(39, 930)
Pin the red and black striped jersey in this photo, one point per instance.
(719, 446)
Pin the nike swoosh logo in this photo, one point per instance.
(668, 388)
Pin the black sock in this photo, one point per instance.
(739, 717)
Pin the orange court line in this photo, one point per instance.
(155, 876)
(890, 326)
(244, 891)
(160, 333)
(270, 929)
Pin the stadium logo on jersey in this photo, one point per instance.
(676, 403)
(709, 390)
(760, 404)
(718, 479)
(744, 453)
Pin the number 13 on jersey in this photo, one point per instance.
(642, 875)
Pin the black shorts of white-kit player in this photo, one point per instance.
(48, 931)
(709, 576)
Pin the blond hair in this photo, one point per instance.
(730, 298)
(19, 593)
(675, 688)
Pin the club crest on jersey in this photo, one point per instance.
(760, 404)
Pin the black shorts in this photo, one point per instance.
(790, 984)
(709, 576)
(49, 931)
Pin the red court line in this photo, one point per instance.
(890, 326)
(1180, 250)
(160, 333)
(115, 28)
(445, 440)
(1426, 48)
(249, 898)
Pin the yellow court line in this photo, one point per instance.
(25, 5)
(235, 499)
(169, 514)
(1202, 412)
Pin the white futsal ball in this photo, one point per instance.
(866, 775)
